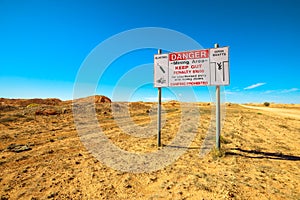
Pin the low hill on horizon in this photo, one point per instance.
(52, 101)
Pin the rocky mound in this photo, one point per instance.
(95, 99)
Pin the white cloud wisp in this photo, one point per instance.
(254, 86)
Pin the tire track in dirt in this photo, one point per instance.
(292, 113)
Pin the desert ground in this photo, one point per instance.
(42, 155)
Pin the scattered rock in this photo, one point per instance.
(52, 195)
(5, 137)
(24, 157)
(18, 148)
(230, 194)
(50, 151)
(4, 197)
(65, 110)
(7, 108)
(153, 178)
(102, 99)
(47, 112)
(128, 186)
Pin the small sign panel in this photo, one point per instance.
(161, 70)
(219, 66)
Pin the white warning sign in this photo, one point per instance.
(161, 70)
(219, 66)
(192, 68)
(189, 68)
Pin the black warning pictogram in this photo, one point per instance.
(219, 66)
(162, 69)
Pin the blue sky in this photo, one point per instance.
(43, 45)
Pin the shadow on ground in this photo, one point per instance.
(261, 154)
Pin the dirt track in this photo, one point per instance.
(279, 111)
